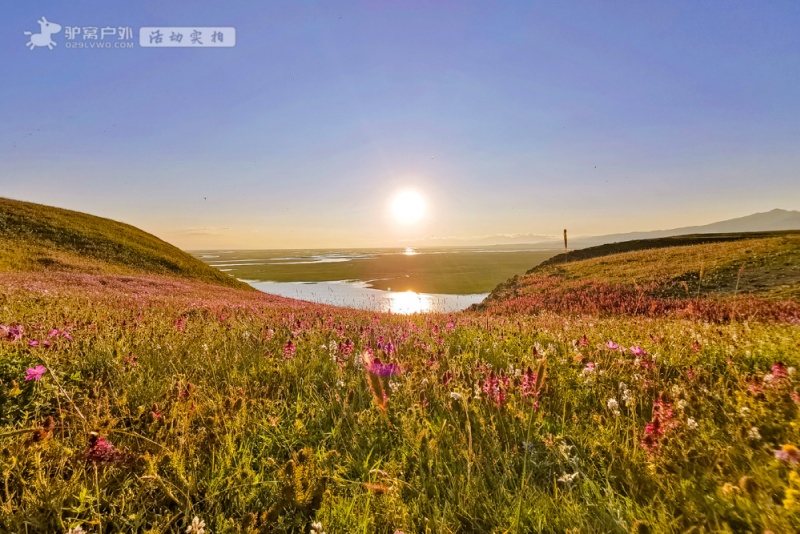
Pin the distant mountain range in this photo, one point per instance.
(770, 221)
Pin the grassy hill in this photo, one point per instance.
(658, 274)
(34, 237)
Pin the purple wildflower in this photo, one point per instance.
(382, 369)
(11, 333)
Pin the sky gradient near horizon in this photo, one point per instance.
(512, 118)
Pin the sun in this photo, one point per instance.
(408, 207)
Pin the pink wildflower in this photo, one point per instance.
(496, 388)
(35, 373)
(662, 421)
(638, 351)
(779, 371)
(101, 451)
(346, 347)
(530, 386)
(33, 343)
(788, 453)
(55, 332)
(288, 350)
(612, 346)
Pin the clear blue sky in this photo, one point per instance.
(509, 117)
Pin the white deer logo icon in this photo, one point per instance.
(43, 37)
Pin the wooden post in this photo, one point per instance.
(565, 240)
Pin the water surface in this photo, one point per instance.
(404, 280)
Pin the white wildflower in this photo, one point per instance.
(316, 528)
(394, 386)
(340, 383)
(567, 478)
(768, 378)
(691, 424)
(76, 530)
(455, 395)
(790, 370)
(627, 396)
(681, 404)
(197, 526)
(613, 405)
(744, 411)
(754, 434)
(205, 347)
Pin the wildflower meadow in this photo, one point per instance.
(149, 404)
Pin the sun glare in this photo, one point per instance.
(408, 207)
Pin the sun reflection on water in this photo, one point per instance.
(409, 251)
(409, 302)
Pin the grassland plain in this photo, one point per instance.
(431, 270)
(135, 402)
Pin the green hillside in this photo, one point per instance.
(660, 274)
(661, 242)
(34, 237)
